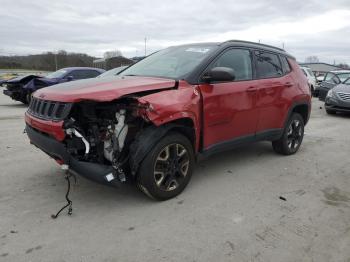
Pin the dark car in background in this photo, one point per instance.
(330, 80)
(338, 98)
(21, 88)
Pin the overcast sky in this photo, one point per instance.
(307, 28)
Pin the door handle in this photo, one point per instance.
(288, 84)
(251, 89)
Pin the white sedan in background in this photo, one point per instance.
(311, 79)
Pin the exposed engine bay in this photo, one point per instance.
(102, 132)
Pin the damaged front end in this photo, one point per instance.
(89, 138)
(106, 141)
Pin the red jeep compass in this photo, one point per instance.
(152, 122)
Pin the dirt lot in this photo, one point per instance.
(231, 210)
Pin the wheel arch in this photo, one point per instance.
(302, 108)
(148, 138)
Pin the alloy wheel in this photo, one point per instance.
(295, 134)
(171, 167)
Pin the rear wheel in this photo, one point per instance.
(292, 137)
(167, 169)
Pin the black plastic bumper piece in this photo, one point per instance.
(57, 150)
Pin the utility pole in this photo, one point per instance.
(56, 61)
(145, 46)
(282, 45)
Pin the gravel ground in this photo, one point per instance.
(231, 211)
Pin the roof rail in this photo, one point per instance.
(254, 43)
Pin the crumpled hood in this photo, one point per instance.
(20, 79)
(37, 83)
(102, 89)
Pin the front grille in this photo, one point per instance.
(49, 110)
(344, 96)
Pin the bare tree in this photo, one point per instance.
(110, 54)
(343, 66)
(312, 59)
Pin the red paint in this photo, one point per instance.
(102, 90)
(218, 112)
(50, 127)
(229, 110)
(171, 105)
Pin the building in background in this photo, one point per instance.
(319, 68)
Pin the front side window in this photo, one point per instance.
(268, 65)
(239, 60)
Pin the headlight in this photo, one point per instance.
(331, 93)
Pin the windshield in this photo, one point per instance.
(310, 72)
(173, 62)
(343, 76)
(57, 74)
(347, 82)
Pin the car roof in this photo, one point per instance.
(243, 43)
(340, 71)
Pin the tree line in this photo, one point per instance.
(48, 61)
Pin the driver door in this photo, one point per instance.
(229, 108)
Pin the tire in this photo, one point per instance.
(330, 112)
(292, 137)
(28, 98)
(161, 175)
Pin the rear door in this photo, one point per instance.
(229, 108)
(274, 80)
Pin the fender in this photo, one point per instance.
(170, 105)
(143, 144)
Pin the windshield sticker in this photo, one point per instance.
(197, 50)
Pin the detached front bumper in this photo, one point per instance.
(58, 151)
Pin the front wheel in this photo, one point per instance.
(292, 137)
(168, 167)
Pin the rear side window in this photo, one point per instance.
(268, 65)
(285, 65)
(83, 74)
(239, 60)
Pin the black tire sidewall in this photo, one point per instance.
(286, 149)
(145, 178)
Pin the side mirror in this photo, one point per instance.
(69, 78)
(219, 74)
